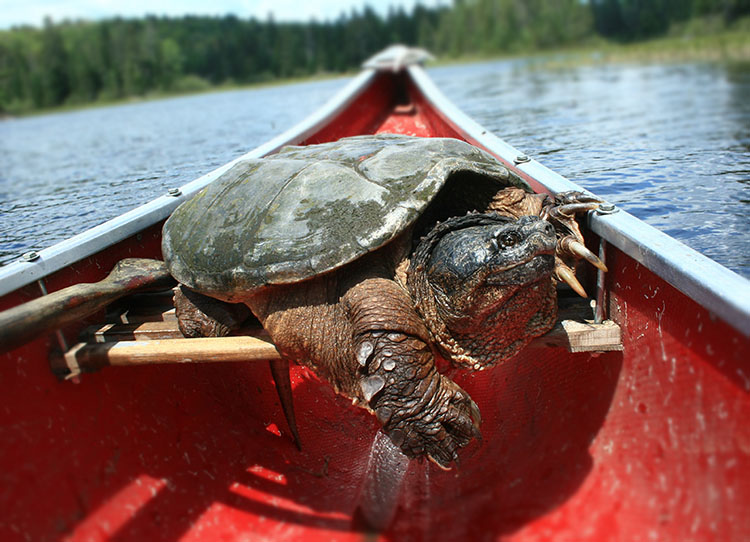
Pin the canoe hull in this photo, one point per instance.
(645, 443)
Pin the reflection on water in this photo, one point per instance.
(668, 143)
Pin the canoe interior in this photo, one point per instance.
(649, 443)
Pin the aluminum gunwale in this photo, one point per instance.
(720, 290)
(21, 273)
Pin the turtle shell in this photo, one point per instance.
(307, 210)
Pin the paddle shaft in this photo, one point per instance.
(23, 323)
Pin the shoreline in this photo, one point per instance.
(726, 45)
(157, 95)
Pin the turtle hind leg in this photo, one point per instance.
(199, 315)
(202, 316)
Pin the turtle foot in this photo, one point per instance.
(423, 412)
(562, 213)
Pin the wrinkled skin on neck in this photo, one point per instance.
(482, 284)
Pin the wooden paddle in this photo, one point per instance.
(23, 323)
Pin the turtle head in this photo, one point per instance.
(483, 285)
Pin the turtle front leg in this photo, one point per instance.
(423, 412)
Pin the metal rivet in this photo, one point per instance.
(521, 159)
(31, 256)
(606, 208)
(174, 192)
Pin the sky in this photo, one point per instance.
(17, 12)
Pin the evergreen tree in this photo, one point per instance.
(75, 62)
(52, 69)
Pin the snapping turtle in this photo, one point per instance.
(366, 258)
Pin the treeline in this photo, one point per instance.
(637, 19)
(78, 61)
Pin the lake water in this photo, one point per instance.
(668, 143)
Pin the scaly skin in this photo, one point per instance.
(424, 412)
(367, 341)
(202, 316)
(357, 327)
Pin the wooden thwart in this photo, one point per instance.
(200, 350)
(582, 336)
(154, 338)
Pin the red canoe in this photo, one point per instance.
(648, 443)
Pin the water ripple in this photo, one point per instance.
(63, 173)
(670, 144)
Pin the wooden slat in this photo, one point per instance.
(154, 307)
(582, 336)
(575, 335)
(160, 314)
(146, 332)
(91, 356)
(86, 356)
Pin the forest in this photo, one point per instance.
(78, 62)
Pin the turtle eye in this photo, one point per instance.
(508, 239)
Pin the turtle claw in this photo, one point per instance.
(561, 213)
(571, 203)
(566, 274)
(578, 250)
(570, 210)
(476, 416)
(465, 427)
(575, 196)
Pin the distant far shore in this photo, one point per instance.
(164, 95)
(701, 43)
